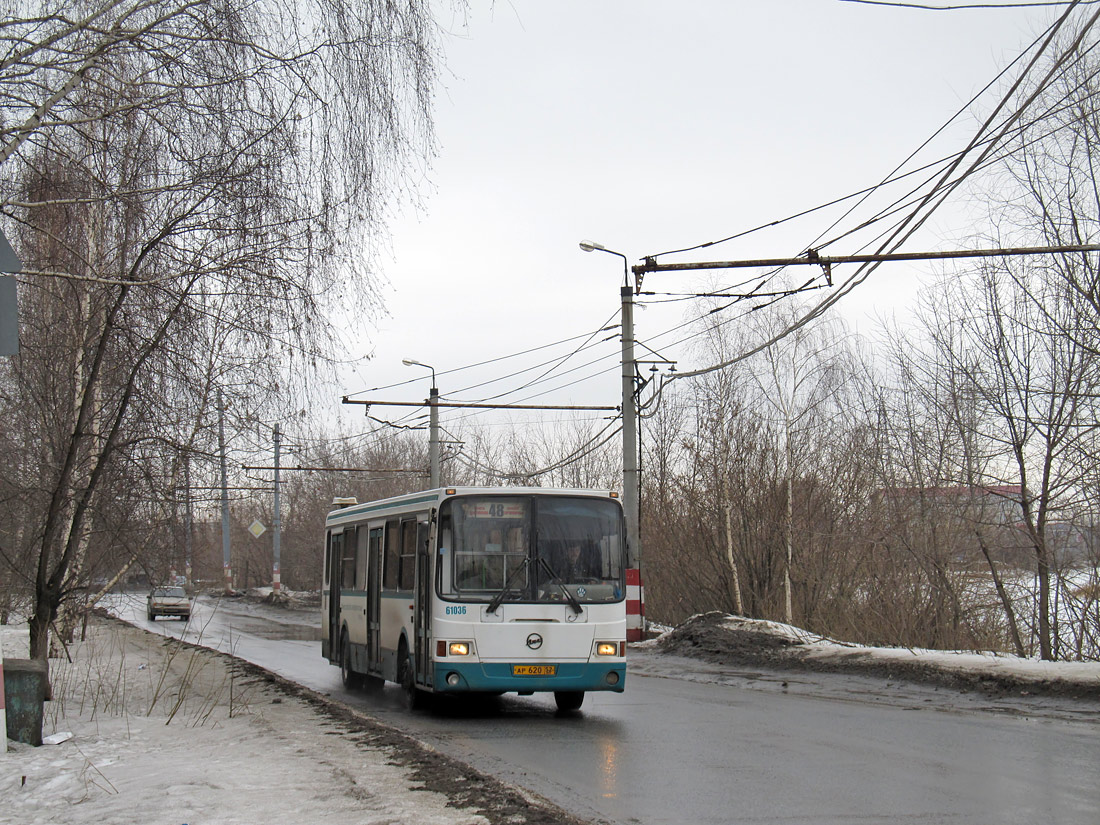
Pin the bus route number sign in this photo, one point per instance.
(493, 509)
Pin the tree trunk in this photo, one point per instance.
(1046, 651)
(727, 512)
(788, 616)
(735, 579)
(39, 625)
(1006, 602)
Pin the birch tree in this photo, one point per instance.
(798, 379)
(206, 179)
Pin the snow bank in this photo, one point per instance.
(164, 733)
(720, 637)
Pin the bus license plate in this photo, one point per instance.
(534, 670)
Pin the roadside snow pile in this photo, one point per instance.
(294, 599)
(165, 733)
(724, 639)
(268, 595)
(162, 731)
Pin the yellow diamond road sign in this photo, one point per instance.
(256, 528)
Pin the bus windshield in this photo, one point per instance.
(531, 549)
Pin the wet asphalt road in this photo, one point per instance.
(759, 749)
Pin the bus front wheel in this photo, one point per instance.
(347, 675)
(569, 699)
(415, 698)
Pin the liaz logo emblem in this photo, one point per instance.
(534, 641)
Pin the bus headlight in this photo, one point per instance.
(606, 649)
(458, 649)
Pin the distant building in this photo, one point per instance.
(998, 505)
(960, 512)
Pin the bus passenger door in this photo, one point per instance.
(335, 571)
(374, 586)
(423, 610)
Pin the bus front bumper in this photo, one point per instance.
(487, 677)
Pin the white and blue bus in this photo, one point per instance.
(478, 590)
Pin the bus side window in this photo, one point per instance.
(393, 555)
(361, 533)
(346, 551)
(407, 577)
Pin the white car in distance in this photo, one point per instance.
(168, 601)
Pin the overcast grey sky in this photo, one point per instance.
(650, 126)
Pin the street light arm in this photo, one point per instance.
(409, 362)
(593, 246)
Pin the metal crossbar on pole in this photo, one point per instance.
(812, 258)
(322, 469)
(469, 406)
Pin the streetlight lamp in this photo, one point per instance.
(593, 246)
(433, 421)
(631, 486)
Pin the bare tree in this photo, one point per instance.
(219, 165)
(1031, 340)
(798, 378)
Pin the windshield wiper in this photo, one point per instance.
(556, 579)
(499, 597)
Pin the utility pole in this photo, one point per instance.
(276, 537)
(635, 593)
(433, 433)
(227, 571)
(631, 496)
(433, 423)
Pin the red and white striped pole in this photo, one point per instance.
(635, 606)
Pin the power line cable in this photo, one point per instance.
(926, 207)
(898, 206)
(552, 363)
(947, 182)
(967, 6)
(993, 158)
(473, 366)
(576, 456)
(866, 192)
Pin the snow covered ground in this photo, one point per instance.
(720, 638)
(167, 733)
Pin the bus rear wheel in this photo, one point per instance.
(569, 699)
